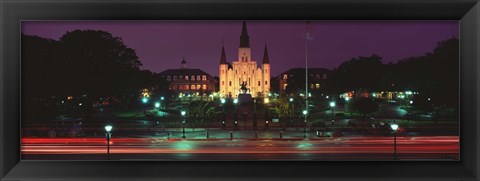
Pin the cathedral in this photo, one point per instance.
(244, 71)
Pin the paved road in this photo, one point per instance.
(345, 148)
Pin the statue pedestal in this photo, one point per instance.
(244, 98)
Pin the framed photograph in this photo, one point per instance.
(223, 90)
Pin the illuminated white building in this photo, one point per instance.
(244, 71)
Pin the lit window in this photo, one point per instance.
(204, 77)
(192, 87)
(317, 86)
(198, 86)
(186, 77)
(204, 87)
(169, 78)
(285, 86)
(193, 77)
(198, 77)
(285, 76)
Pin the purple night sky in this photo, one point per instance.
(161, 45)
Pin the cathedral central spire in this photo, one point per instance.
(244, 38)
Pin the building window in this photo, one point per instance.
(204, 87)
(198, 86)
(204, 77)
(198, 77)
(285, 76)
(193, 77)
(318, 76)
(223, 82)
(169, 78)
(192, 87)
(174, 77)
(186, 87)
(186, 77)
(266, 82)
(317, 86)
(266, 71)
(229, 83)
(175, 87)
(180, 77)
(311, 86)
(324, 76)
(258, 83)
(253, 71)
(285, 86)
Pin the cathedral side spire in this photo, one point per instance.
(223, 58)
(265, 55)
(244, 38)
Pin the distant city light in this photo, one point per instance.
(327, 97)
(429, 99)
(408, 92)
(80, 104)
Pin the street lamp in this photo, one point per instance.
(235, 101)
(183, 113)
(108, 136)
(145, 101)
(394, 128)
(305, 113)
(222, 101)
(332, 105)
(157, 105)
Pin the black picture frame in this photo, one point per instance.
(12, 12)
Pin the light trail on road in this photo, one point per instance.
(435, 146)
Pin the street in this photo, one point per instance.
(320, 149)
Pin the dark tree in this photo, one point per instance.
(363, 105)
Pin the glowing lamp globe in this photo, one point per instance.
(108, 128)
(394, 127)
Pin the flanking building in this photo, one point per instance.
(189, 81)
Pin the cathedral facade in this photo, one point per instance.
(244, 72)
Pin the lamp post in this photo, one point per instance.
(183, 123)
(394, 128)
(235, 102)
(305, 113)
(332, 106)
(145, 101)
(108, 135)
(290, 103)
(222, 101)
